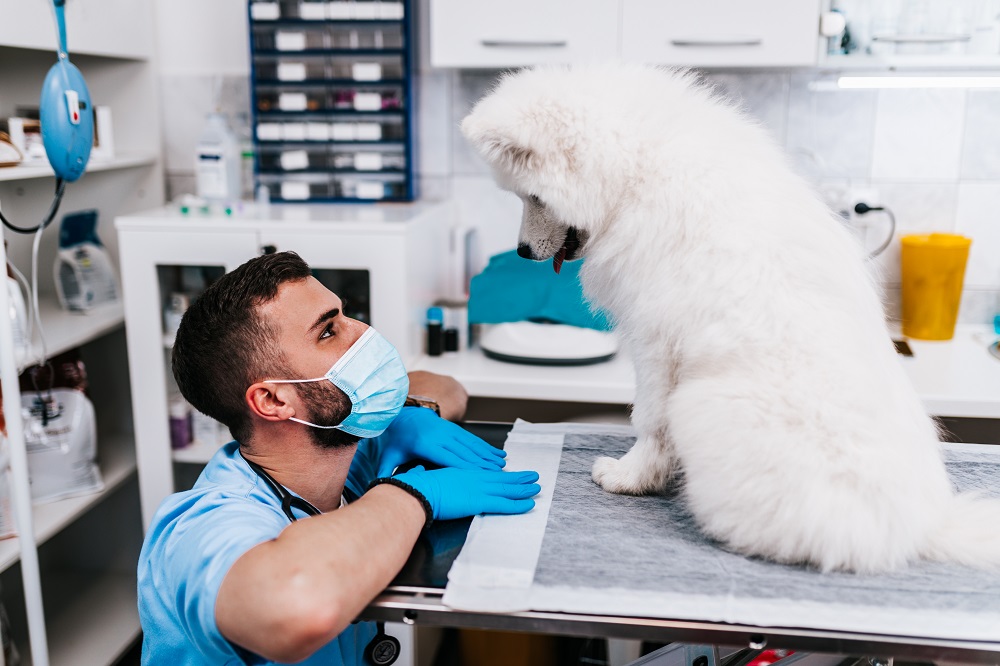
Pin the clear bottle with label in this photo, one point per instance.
(217, 162)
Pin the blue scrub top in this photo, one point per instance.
(196, 536)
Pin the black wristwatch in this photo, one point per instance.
(422, 401)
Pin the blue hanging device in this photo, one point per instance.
(65, 111)
(67, 119)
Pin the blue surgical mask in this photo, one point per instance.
(372, 375)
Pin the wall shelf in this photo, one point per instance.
(117, 466)
(93, 619)
(67, 330)
(126, 161)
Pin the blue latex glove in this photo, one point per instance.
(459, 493)
(417, 433)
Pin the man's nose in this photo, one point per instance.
(524, 251)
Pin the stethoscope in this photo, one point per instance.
(383, 650)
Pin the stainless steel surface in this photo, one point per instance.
(720, 41)
(425, 608)
(518, 44)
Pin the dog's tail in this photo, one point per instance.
(969, 533)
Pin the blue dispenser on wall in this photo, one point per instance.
(65, 111)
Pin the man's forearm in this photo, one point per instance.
(286, 598)
(450, 395)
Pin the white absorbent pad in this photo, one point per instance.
(585, 550)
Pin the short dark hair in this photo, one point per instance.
(223, 346)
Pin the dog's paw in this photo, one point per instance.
(616, 476)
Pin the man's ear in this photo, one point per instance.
(500, 146)
(270, 401)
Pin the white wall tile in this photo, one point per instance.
(434, 123)
(468, 87)
(918, 134)
(919, 209)
(195, 37)
(494, 213)
(184, 101)
(764, 95)
(981, 146)
(830, 132)
(979, 219)
(979, 306)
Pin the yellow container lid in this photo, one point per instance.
(955, 241)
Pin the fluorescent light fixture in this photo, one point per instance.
(861, 82)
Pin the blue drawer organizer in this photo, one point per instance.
(332, 95)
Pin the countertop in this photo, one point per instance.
(956, 378)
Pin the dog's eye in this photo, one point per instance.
(535, 200)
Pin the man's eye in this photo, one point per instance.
(327, 332)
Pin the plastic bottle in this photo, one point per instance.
(217, 162)
(435, 336)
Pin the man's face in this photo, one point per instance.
(313, 333)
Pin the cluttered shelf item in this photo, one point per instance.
(642, 569)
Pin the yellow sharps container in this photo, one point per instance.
(933, 268)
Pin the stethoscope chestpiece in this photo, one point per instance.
(383, 649)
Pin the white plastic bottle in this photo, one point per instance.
(217, 162)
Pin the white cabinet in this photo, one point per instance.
(389, 262)
(482, 33)
(115, 28)
(708, 33)
(721, 33)
(68, 580)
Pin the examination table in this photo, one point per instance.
(417, 595)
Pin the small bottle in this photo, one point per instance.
(435, 337)
(217, 162)
(180, 423)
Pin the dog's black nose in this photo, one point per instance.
(524, 251)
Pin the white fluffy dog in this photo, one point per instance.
(763, 364)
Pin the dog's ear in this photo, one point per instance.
(500, 146)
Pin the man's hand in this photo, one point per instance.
(445, 391)
(458, 493)
(420, 434)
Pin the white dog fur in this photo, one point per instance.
(764, 367)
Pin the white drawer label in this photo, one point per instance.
(391, 10)
(269, 132)
(292, 101)
(294, 160)
(312, 11)
(339, 10)
(294, 132)
(285, 40)
(368, 161)
(265, 11)
(343, 132)
(369, 132)
(370, 190)
(366, 11)
(370, 101)
(317, 132)
(291, 71)
(366, 71)
(295, 191)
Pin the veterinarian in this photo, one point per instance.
(294, 527)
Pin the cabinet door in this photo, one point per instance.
(485, 33)
(94, 28)
(721, 33)
(144, 256)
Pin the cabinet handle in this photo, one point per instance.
(268, 249)
(522, 44)
(922, 39)
(717, 41)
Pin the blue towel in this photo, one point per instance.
(516, 289)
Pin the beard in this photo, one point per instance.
(328, 406)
